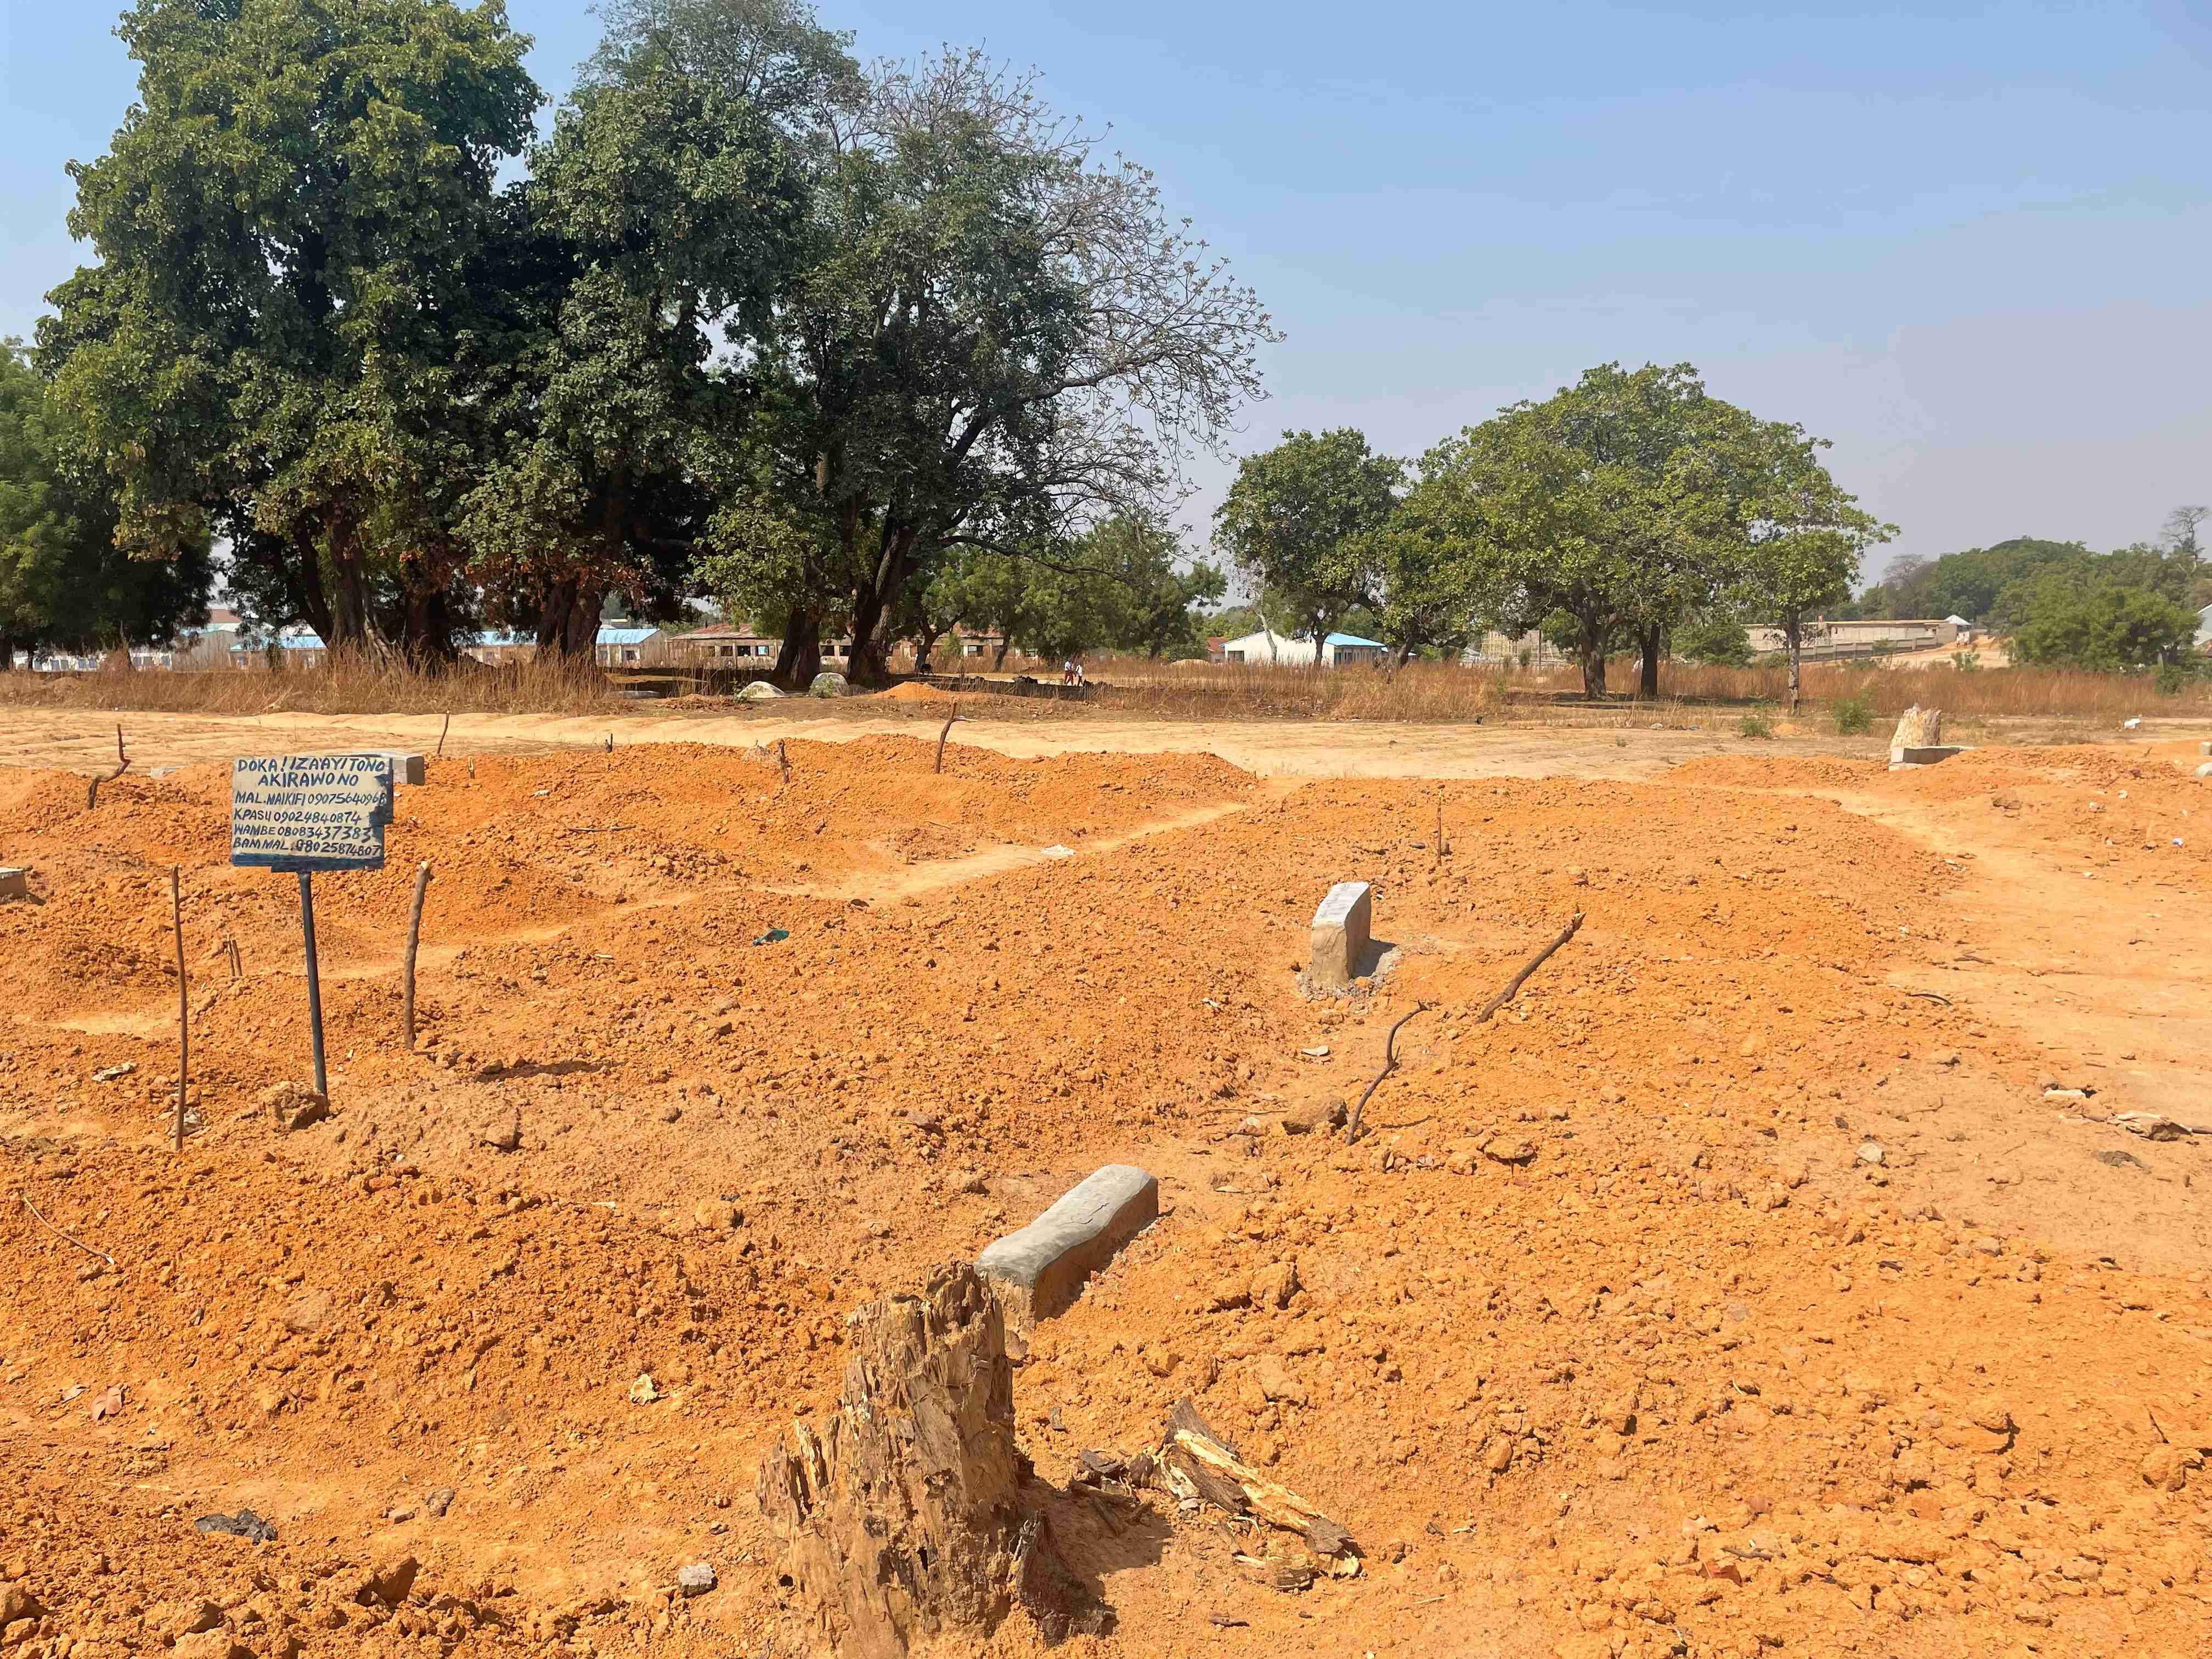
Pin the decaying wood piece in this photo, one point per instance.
(902, 1514)
(1195, 1462)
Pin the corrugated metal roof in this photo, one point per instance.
(625, 635)
(1354, 639)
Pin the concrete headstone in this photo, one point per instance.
(1342, 927)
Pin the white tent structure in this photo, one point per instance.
(1337, 650)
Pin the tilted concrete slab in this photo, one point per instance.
(14, 883)
(407, 767)
(1039, 1272)
(1342, 929)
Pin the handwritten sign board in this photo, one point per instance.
(310, 811)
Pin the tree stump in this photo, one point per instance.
(901, 1515)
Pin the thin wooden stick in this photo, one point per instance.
(59, 1234)
(414, 933)
(442, 730)
(1513, 985)
(1439, 863)
(92, 783)
(1390, 1065)
(1932, 996)
(237, 967)
(183, 1006)
(942, 735)
(782, 760)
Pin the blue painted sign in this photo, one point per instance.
(305, 812)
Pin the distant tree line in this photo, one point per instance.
(2060, 604)
(862, 349)
(1627, 512)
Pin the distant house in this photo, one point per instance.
(728, 645)
(629, 648)
(1337, 651)
(2204, 629)
(500, 645)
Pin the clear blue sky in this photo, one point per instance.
(1970, 244)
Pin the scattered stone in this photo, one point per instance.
(759, 691)
(2120, 1160)
(1341, 929)
(2054, 1092)
(714, 1214)
(389, 1582)
(244, 1524)
(642, 1392)
(1509, 1148)
(18, 1602)
(2167, 1467)
(503, 1135)
(1870, 1152)
(827, 685)
(111, 1074)
(1274, 1285)
(294, 1106)
(438, 1502)
(1313, 1117)
(695, 1578)
(400, 1515)
(210, 1644)
(1058, 852)
(1039, 1272)
(2156, 1126)
(1498, 1454)
(305, 1313)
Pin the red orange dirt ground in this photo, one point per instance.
(1605, 1340)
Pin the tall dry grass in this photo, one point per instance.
(345, 683)
(1135, 686)
(1984, 692)
(1420, 691)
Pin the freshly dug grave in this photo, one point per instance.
(1607, 1338)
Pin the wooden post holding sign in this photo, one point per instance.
(301, 813)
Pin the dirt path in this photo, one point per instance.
(86, 743)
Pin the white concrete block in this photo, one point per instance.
(1342, 929)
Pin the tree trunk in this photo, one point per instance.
(1793, 639)
(873, 604)
(799, 658)
(569, 618)
(428, 629)
(1590, 647)
(1651, 643)
(999, 658)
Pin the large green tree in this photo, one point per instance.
(640, 266)
(994, 338)
(1606, 513)
(1300, 519)
(286, 227)
(2072, 622)
(64, 584)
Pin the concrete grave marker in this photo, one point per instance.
(15, 882)
(303, 813)
(406, 765)
(1341, 933)
(1040, 1271)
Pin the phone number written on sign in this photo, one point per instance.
(310, 811)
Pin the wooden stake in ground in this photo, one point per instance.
(414, 934)
(122, 765)
(1440, 833)
(183, 1004)
(944, 734)
(314, 982)
(442, 730)
(1513, 985)
(782, 760)
(237, 967)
